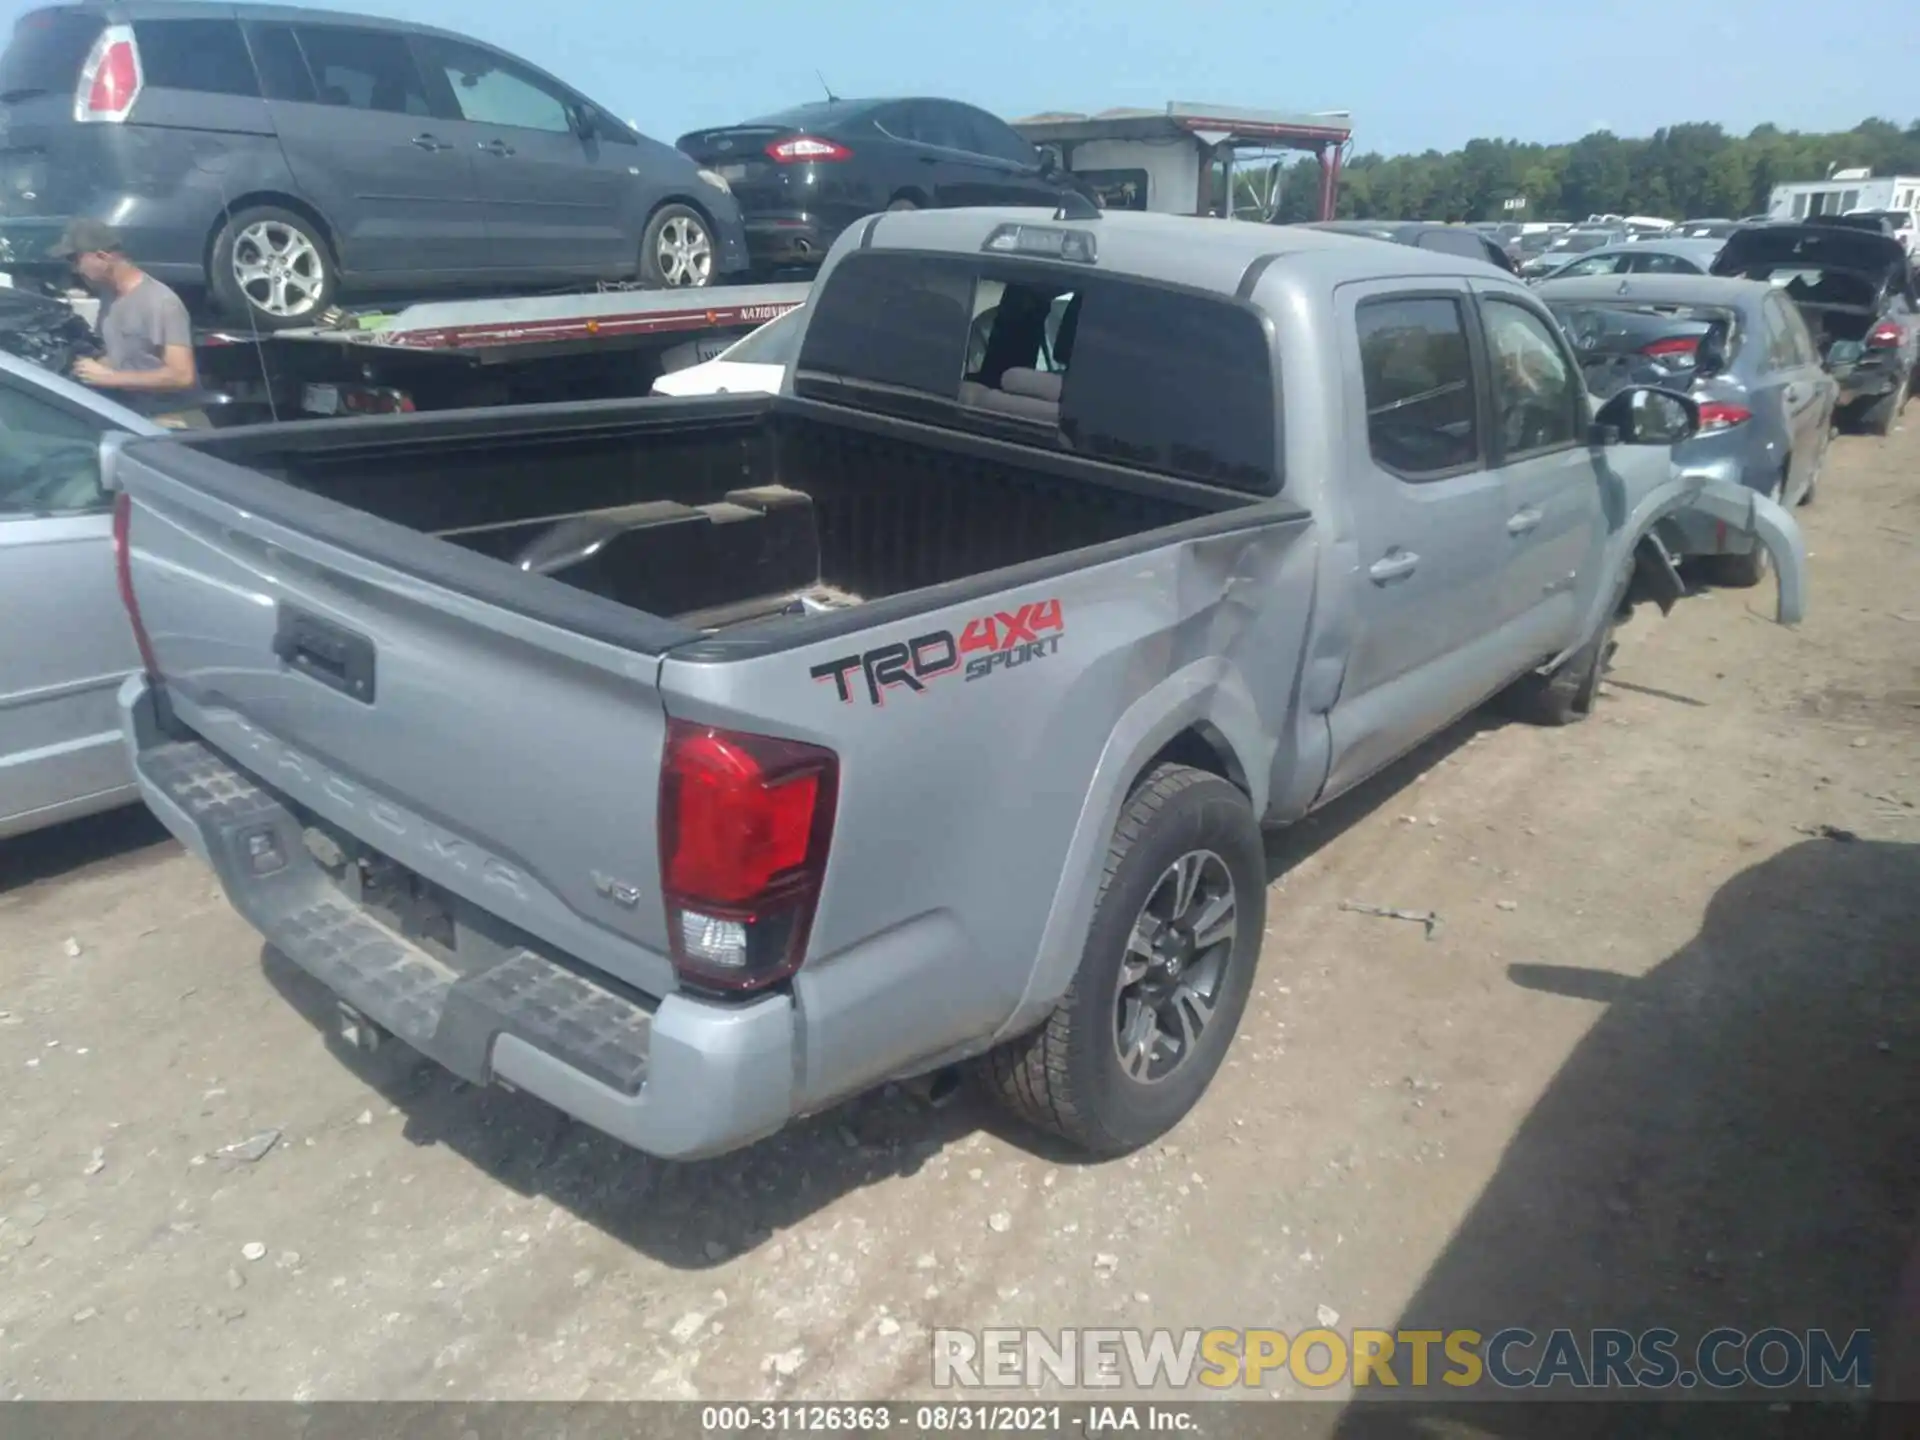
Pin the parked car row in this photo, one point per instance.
(280, 159)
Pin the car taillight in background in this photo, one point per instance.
(110, 80)
(1722, 415)
(123, 568)
(1679, 353)
(745, 821)
(798, 149)
(1884, 336)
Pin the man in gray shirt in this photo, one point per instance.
(143, 325)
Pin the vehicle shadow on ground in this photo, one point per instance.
(696, 1214)
(61, 849)
(1735, 1142)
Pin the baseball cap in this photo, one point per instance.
(83, 236)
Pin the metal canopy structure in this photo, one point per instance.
(1220, 133)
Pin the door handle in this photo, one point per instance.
(1395, 565)
(1522, 521)
(496, 147)
(432, 142)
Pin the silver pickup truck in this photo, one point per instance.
(694, 764)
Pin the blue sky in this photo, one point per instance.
(1415, 73)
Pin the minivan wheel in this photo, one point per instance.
(676, 253)
(272, 266)
(1164, 977)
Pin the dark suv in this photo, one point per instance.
(281, 157)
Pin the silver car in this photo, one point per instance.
(1740, 348)
(65, 644)
(1658, 256)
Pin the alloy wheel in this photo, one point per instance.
(1177, 956)
(279, 269)
(684, 252)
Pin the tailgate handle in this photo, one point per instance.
(323, 651)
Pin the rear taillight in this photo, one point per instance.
(1884, 336)
(799, 149)
(1722, 415)
(123, 568)
(110, 80)
(745, 821)
(1681, 351)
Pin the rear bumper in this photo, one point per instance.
(679, 1078)
(789, 240)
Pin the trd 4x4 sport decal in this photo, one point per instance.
(985, 646)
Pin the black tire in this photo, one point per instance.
(1739, 572)
(1743, 572)
(1068, 1076)
(678, 251)
(1565, 696)
(1880, 417)
(296, 292)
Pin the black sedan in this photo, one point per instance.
(803, 175)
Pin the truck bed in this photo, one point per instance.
(713, 513)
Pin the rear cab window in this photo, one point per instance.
(46, 52)
(1113, 368)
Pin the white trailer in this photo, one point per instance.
(1844, 192)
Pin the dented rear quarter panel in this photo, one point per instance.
(974, 811)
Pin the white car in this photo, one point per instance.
(755, 364)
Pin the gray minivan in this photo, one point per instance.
(281, 157)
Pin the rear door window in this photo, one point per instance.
(1417, 371)
(208, 56)
(364, 69)
(988, 135)
(46, 52)
(283, 69)
(1781, 351)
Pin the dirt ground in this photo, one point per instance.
(1659, 1065)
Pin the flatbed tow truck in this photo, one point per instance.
(452, 354)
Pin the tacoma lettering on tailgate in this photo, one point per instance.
(986, 645)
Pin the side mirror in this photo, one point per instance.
(1049, 163)
(1844, 353)
(586, 121)
(1646, 415)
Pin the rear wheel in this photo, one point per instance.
(271, 266)
(1880, 417)
(1743, 572)
(676, 252)
(1164, 977)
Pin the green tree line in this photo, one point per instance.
(1680, 171)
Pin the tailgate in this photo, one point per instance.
(497, 733)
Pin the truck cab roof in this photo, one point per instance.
(1223, 256)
